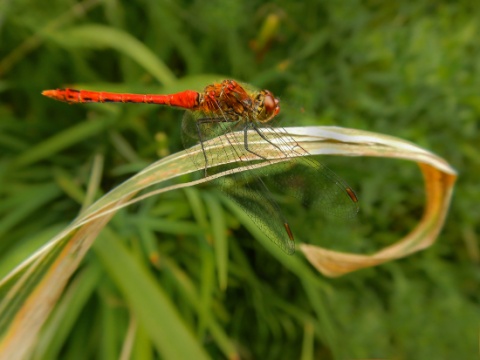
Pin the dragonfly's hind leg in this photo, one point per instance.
(245, 145)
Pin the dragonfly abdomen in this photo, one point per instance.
(186, 99)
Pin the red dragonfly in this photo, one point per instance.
(225, 115)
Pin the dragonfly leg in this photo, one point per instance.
(267, 140)
(198, 124)
(245, 143)
(199, 131)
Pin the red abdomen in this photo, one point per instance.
(186, 99)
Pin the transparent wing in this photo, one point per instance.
(310, 181)
(251, 193)
(317, 187)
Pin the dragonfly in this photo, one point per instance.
(237, 121)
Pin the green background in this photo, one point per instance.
(408, 70)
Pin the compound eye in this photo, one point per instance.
(270, 104)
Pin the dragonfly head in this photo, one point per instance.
(266, 106)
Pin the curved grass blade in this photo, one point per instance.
(32, 289)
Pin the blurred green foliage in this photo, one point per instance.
(406, 69)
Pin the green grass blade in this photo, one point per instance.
(62, 140)
(100, 36)
(149, 302)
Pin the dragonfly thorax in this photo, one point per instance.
(229, 100)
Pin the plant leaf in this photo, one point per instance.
(33, 288)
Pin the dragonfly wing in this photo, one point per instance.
(206, 129)
(311, 182)
(251, 193)
(317, 187)
(248, 191)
